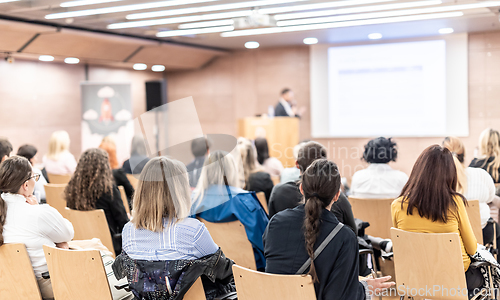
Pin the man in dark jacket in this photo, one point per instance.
(286, 106)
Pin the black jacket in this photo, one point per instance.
(121, 179)
(336, 266)
(287, 195)
(483, 164)
(260, 182)
(147, 278)
(279, 111)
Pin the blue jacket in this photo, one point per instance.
(227, 204)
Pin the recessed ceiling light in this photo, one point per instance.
(71, 60)
(140, 67)
(252, 45)
(310, 41)
(158, 68)
(46, 58)
(375, 36)
(446, 30)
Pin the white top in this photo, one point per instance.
(378, 181)
(287, 107)
(480, 186)
(66, 164)
(34, 226)
(39, 185)
(273, 166)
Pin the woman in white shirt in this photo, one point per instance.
(22, 220)
(59, 161)
(271, 165)
(474, 184)
(379, 180)
(29, 151)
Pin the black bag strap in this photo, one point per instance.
(321, 247)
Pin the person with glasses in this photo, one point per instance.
(22, 220)
(29, 151)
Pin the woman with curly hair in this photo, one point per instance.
(91, 187)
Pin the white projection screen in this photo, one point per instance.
(410, 88)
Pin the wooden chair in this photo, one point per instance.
(133, 180)
(54, 195)
(17, 279)
(59, 179)
(275, 179)
(262, 199)
(91, 224)
(475, 219)
(375, 211)
(232, 239)
(424, 260)
(253, 285)
(196, 292)
(124, 199)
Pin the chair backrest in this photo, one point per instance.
(17, 279)
(375, 211)
(196, 292)
(474, 214)
(59, 179)
(264, 286)
(124, 199)
(133, 181)
(232, 238)
(91, 224)
(429, 261)
(77, 274)
(262, 199)
(54, 195)
(275, 179)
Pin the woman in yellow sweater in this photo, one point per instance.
(429, 203)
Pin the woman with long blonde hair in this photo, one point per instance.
(489, 153)
(256, 178)
(59, 160)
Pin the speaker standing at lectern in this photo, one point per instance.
(287, 107)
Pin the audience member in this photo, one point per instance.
(292, 173)
(474, 184)
(5, 149)
(29, 152)
(271, 165)
(288, 195)
(91, 187)
(119, 174)
(217, 199)
(292, 235)
(379, 180)
(256, 179)
(430, 204)
(287, 106)
(200, 148)
(161, 243)
(489, 153)
(59, 161)
(138, 156)
(22, 220)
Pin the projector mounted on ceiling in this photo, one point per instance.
(255, 20)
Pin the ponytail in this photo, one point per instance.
(313, 209)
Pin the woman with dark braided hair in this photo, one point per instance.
(22, 220)
(91, 187)
(293, 235)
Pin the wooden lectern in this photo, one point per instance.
(282, 134)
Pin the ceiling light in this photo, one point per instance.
(158, 68)
(170, 33)
(278, 10)
(198, 9)
(46, 58)
(232, 14)
(5, 1)
(140, 67)
(71, 60)
(352, 10)
(340, 24)
(252, 45)
(206, 24)
(122, 8)
(375, 36)
(446, 30)
(310, 41)
(85, 2)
